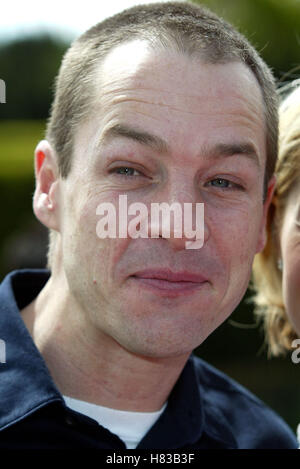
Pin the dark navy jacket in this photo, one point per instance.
(206, 409)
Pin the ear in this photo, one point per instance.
(263, 231)
(46, 196)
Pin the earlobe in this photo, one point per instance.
(43, 202)
(46, 200)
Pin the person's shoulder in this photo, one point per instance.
(20, 287)
(221, 388)
(248, 416)
(29, 276)
(214, 380)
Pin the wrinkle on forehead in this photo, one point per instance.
(143, 77)
(142, 82)
(132, 59)
(116, 105)
(152, 96)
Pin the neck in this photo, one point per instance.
(88, 364)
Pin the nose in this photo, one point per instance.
(179, 216)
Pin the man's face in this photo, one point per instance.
(205, 143)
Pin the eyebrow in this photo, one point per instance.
(235, 148)
(158, 144)
(145, 138)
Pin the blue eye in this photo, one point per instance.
(220, 182)
(126, 171)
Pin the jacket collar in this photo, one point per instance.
(26, 384)
(189, 417)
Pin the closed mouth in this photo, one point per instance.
(167, 281)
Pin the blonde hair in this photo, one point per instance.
(267, 274)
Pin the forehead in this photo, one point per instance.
(137, 64)
(185, 95)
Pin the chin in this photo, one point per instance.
(162, 345)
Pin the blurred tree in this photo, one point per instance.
(28, 67)
(272, 26)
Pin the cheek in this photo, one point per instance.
(236, 236)
(237, 243)
(102, 254)
(291, 287)
(293, 270)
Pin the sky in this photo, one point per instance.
(67, 18)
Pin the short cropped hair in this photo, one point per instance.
(267, 273)
(181, 26)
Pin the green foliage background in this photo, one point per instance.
(272, 26)
(28, 66)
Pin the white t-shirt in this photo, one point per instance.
(130, 427)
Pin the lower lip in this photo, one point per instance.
(166, 288)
